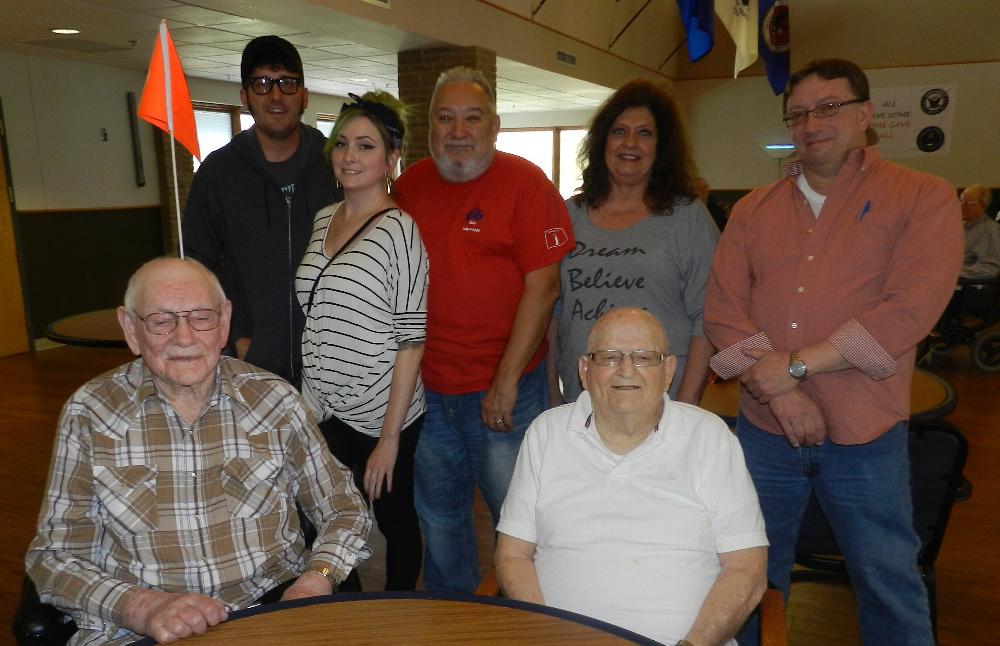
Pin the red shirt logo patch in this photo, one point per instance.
(555, 238)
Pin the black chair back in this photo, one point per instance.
(937, 457)
(938, 452)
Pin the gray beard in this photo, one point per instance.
(458, 172)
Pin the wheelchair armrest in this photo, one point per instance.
(37, 623)
(979, 281)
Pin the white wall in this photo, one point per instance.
(54, 121)
(562, 118)
(729, 120)
(55, 116)
(975, 139)
(54, 111)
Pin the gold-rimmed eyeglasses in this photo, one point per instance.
(639, 358)
(166, 322)
(821, 111)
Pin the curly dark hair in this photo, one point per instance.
(673, 173)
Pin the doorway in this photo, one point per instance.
(13, 318)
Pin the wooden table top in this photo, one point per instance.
(931, 397)
(97, 329)
(410, 618)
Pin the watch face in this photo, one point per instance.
(797, 369)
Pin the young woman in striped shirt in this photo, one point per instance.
(363, 287)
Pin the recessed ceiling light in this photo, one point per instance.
(359, 80)
(65, 31)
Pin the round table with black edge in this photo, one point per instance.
(412, 618)
(931, 397)
(98, 329)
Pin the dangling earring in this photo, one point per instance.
(337, 181)
(388, 184)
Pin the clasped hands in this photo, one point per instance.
(769, 382)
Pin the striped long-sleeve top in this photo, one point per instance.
(361, 305)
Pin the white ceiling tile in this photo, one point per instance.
(254, 28)
(354, 49)
(199, 15)
(197, 51)
(205, 35)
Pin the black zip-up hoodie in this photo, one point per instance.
(241, 226)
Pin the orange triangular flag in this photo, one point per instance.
(162, 83)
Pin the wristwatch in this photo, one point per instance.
(324, 571)
(796, 366)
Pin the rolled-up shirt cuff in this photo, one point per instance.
(343, 554)
(731, 362)
(862, 351)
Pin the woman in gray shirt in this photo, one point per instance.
(642, 238)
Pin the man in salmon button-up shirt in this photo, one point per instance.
(821, 287)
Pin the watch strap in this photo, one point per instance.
(796, 366)
(326, 572)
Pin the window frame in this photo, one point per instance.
(326, 117)
(556, 144)
(234, 112)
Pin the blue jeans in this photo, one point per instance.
(864, 491)
(454, 453)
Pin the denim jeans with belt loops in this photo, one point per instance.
(456, 452)
(864, 491)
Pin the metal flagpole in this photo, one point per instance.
(170, 127)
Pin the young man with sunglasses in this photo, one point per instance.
(250, 210)
(821, 286)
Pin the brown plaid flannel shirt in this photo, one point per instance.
(136, 498)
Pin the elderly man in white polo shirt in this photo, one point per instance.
(631, 508)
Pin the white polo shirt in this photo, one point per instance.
(632, 540)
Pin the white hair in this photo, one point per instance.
(471, 75)
(135, 282)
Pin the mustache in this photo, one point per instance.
(820, 136)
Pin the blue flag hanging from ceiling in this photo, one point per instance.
(774, 42)
(698, 18)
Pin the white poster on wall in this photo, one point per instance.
(914, 121)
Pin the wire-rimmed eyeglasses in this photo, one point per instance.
(166, 322)
(821, 111)
(639, 358)
(287, 84)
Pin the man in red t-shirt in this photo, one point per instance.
(495, 229)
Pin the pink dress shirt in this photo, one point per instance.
(871, 275)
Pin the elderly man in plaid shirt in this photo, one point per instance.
(174, 481)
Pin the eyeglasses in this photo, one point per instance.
(166, 322)
(821, 111)
(287, 84)
(640, 358)
(968, 203)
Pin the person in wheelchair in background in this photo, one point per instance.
(982, 235)
(976, 303)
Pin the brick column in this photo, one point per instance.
(418, 72)
(185, 173)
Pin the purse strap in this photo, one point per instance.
(312, 293)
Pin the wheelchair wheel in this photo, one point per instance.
(942, 348)
(986, 352)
